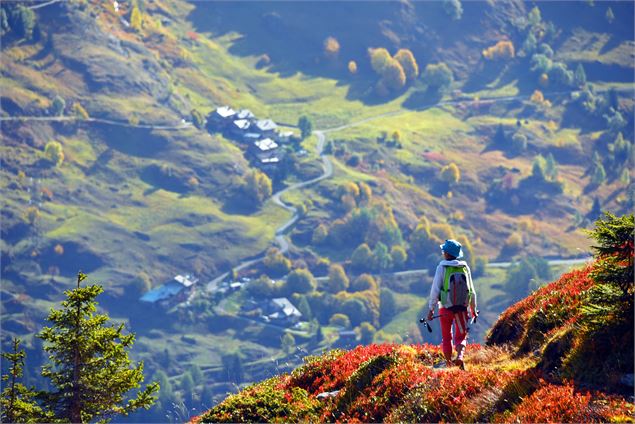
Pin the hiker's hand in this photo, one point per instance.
(430, 315)
(474, 314)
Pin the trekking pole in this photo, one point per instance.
(473, 320)
(425, 323)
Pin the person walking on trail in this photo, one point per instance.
(452, 289)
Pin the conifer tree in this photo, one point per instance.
(89, 368)
(580, 76)
(135, 19)
(306, 126)
(17, 401)
(551, 167)
(614, 251)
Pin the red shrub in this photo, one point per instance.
(331, 371)
(563, 403)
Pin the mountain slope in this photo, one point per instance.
(548, 359)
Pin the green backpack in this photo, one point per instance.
(455, 294)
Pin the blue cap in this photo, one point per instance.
(452, 247)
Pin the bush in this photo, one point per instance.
(300, 281)
(198, 119)
(393, 75)
(453, 8)
(363, 282)
(58, 106)
(257, 187)
(514, 242)
(408, 63)
(79, 111)
(366, 332)
(518, 143)
(379, 59)
(362, 257)
(338, 280)
(352, 67)
(438, 76)
(320, 234)
(504, 49)
(276, 263)
(451, 174)
(261, 288)
(399, 256)
(331, 47)
(54, 153)
(340, 320)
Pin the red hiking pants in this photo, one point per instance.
(459, 319)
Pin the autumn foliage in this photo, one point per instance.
(504, 49)
(529, 372)
(398, 383)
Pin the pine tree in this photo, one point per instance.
(580, 76)
(187, 387)
(614, 251)
(306, 127)
(89, 368)
(197, 374)
(551, 167)
(135, 19)
(17, 401)
(287, 343)
(610, 17)
(597, 171)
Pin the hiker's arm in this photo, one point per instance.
(473, 307)
(435, 289)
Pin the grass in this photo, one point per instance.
(403, 322)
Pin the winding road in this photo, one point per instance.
(327, 166)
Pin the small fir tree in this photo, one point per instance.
(579, 76)
(17, 401)
(614, 251)
(89, 368)
(135, 19)
(306, 126)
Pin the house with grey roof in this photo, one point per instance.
(239, 127)
(245, 114)
(171, 293)
(222, 117)
(281, 311)
(266, 127)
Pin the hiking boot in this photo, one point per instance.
(459, 363)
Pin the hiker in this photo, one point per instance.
(453, 290)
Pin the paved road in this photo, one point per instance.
(415, 272)
(166, 126)
(280, 238)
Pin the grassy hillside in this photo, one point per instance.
(141, 194)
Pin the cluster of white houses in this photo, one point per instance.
(262, 136)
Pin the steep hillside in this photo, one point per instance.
(563, 354)
(511, 131)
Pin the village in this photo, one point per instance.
(262, 137)
(278, 311)
(265, 144)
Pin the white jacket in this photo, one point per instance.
(437, 284)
